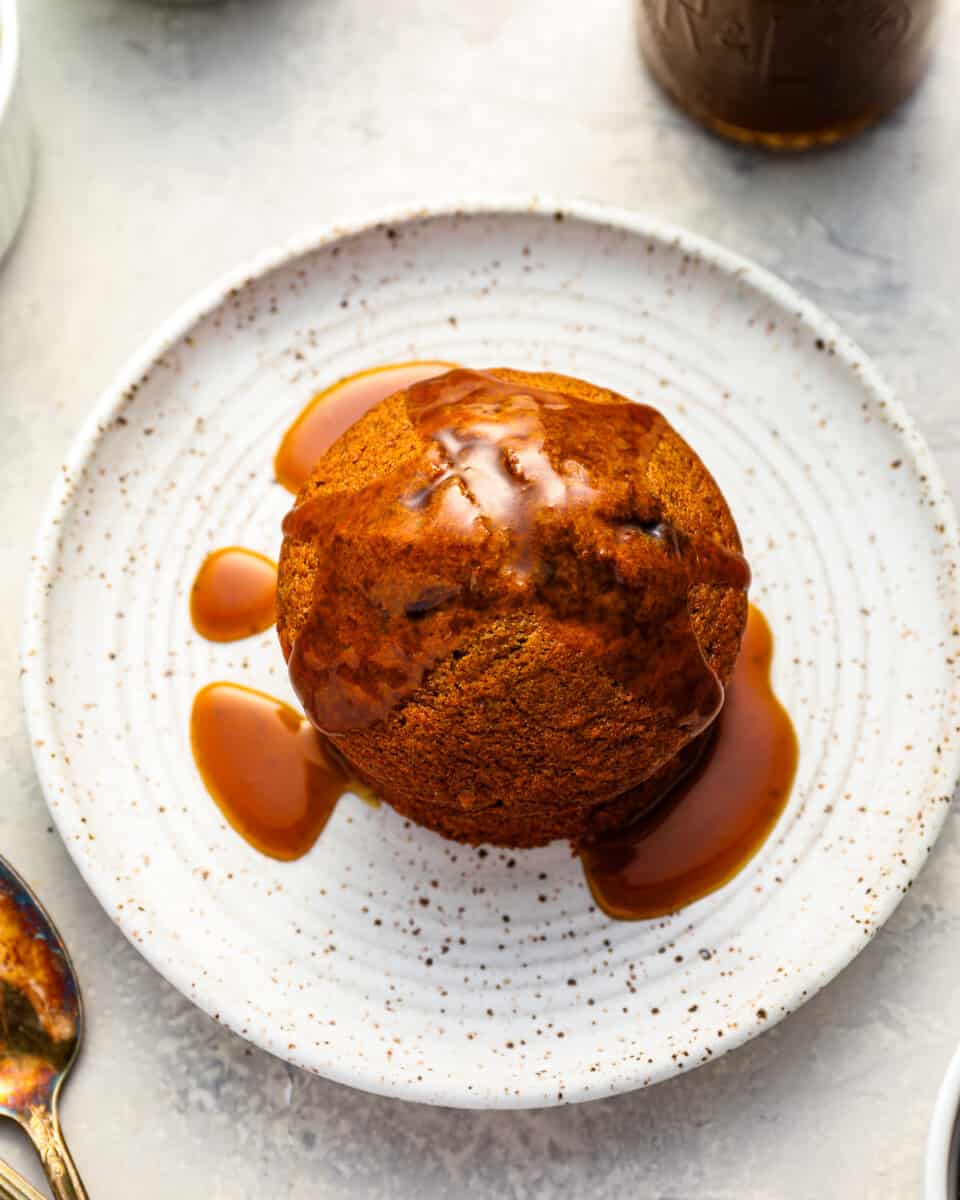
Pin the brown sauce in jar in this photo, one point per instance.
(234, 595)
(717, 818)
(787, 74)
(332, 412)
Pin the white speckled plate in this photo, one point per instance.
(389, 958)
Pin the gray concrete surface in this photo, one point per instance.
(176, 142)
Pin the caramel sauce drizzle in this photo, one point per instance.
(506, 486)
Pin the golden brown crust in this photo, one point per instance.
(519, 737)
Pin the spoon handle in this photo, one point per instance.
(13, 1186)
(44, 1129)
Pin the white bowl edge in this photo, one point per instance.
(16, 158)
(940, 1173)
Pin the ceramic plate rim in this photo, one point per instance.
(731, 263)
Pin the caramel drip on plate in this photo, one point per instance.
(716, 819)
(332, 411)
(266, 767)
(234, 595)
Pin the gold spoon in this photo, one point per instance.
(41, 1021)
(13, 1186)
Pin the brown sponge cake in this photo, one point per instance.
(511, 601)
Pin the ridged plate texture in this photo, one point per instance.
(389, 958)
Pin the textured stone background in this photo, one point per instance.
(176, 142)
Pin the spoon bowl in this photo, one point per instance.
(41, 1024)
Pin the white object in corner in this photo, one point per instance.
(943, 1141)
(15, 149)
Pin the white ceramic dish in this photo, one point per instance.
(389, 958)
(943, 1141)
(15, 149)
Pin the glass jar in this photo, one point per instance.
(787, 73)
